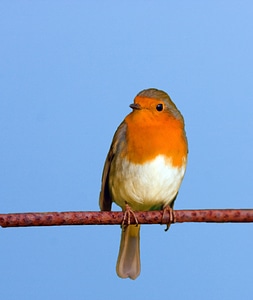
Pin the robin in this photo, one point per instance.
(144, 167)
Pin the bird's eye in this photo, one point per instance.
(159, 107)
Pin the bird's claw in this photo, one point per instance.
(168, 214)
(127, 216)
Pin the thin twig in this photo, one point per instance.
(115, 218)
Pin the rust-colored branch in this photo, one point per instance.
(115, 218)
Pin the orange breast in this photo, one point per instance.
(149, 135)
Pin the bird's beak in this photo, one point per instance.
(135, 106)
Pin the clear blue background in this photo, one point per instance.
(68, 71)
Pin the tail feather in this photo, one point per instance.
(128, 264)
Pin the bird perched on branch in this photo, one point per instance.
(144, 168)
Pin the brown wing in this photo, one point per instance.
(105, 199)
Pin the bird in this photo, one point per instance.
(144, 168)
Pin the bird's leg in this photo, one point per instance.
(127, 216)
(168, 214)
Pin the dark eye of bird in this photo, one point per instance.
(159, 107)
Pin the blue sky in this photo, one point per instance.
(69, 70)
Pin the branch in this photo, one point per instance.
(115, 218)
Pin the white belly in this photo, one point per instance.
(148, 186)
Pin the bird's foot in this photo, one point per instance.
(127, 216)
(168, 214)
